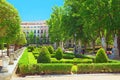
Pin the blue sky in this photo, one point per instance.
(35, 10)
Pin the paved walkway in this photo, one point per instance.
(72, 77)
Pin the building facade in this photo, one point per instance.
(38, 28)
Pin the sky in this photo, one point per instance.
(35, 10)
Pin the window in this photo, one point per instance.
(41, 31)
(38, 31)
(34, 31)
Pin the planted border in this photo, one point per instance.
(45, 69)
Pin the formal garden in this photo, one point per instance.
(75, 29)
(46, 60)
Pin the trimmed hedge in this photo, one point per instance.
(24, 59)
(99, 68)
(30, 48)
(31, 58)
(59, 53)
(73, 61)
(36, 52)
(44, 56)
(45, 69)
(59, 68)
(68, 56)
(51, 49)
(101, 56)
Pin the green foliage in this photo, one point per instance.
(21, 39)
(31, 58)
(9, 22)
(101, 56)
(74, 69)
(98, 68)
(68, 56)
(24, 59)
(44, 56)
(27, 58)
(30, 48)
(45, 68)
(1, 46)
(51, 49)
(72, 61)
(59, 53)
(30, 38)
(71, 49)
(36, 52)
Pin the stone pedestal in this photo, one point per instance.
(15, 56)
(11, 59)
(5, 61)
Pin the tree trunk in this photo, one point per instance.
(85, 46)
(93, 44)
(118, 42)
(8, 49)
(16, 46)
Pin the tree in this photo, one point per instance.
(88, 19)
(55, 24)
(30, 38)
(9, 23)
(21, 40)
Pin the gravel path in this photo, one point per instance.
(72, 77)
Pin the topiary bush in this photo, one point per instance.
(51, 49)
(59, 53)
(101, 56)
(44, 56)
(30, 48)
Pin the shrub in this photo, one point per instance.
(36, 52)
(45, 68)
(59, 54)
(57, 68)
(71, 49)
(78, 60)
(30, 48)
(44, 56)
(101, 56)
(72, 61)
(53, 55)
(74, 69)
(51, 49)
(24, 59)
(98, 68)
(68, 56)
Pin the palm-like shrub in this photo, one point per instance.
(51, 49)
(59, 53)
(101, 56)
(44, 56)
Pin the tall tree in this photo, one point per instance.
(9, 23)
(21, 40)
